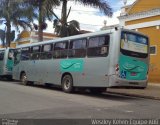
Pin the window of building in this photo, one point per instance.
(153, 50)
(35, 52)
(60, 50)
(98, 46)
(77, 48)
(46, 51)
(25, 53)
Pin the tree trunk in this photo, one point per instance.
(8, 25)
(8, 39)
(64, 31)
(40, 22)
(64, 12)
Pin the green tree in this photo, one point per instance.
(14, 13)
(45, 12)
(62, 27)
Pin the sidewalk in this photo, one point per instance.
(152, 91)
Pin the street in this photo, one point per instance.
(18, 101)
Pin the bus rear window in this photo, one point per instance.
(134, 45)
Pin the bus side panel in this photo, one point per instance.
(96, 72)
(87, 72)
(48, 71)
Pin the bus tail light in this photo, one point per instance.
(117, 69)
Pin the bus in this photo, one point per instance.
(6, 62)
(96, 61)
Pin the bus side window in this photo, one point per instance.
(17, 56)
(46, 51)
(25, 53)
(1, 55)
(77, 48)
(98, 46)
(60, 50)
(35, 52)
(11, 55)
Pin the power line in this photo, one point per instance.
(79, 10)
(90, 24)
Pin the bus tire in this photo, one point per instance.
(67, 84)
(24, 79)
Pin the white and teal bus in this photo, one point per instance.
(6, 62)
(111, 58)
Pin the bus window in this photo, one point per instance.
(17, 55)
(11, 54)
(134, 45)
(35, 52)
(98, 46)
(77, 48)
(1, 55)
(60, 50)
(25, 53)
(46, 51)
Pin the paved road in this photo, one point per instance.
(18, 101)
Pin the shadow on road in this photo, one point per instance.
(105, 95)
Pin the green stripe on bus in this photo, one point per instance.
(72, 65)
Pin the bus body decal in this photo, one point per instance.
(132, 69)
(71, 65)
(9, 64)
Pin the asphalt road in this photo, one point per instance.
(25, 102)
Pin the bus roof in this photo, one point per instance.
(77, 37)
(67, 38)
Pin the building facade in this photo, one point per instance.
(144, 16)
(30, 37)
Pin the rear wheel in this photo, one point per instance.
(24, 78)
(67, 84)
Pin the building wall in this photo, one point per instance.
(148, 19)
(144, 5)
(154, 71)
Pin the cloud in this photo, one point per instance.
(89, 18)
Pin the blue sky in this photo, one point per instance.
(115, 4)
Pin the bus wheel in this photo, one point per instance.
(67, 84)
(24, 79)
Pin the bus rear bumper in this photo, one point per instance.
(115, 82)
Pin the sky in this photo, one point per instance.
(90, 18)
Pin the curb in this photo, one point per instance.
(135, 95)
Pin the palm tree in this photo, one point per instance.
(100, 4)
(14, 13)
(45, 11)
(71, 28)
(2, 37)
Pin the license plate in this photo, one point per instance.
(133, 74)
(134, 83)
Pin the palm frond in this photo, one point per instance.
(2, 21)
(23, 24)
(75, 24)
(102, 5)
